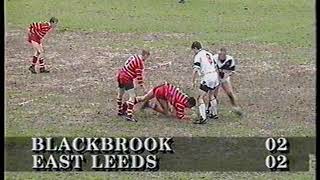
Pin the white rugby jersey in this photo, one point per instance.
(205, 62)
(228, 64)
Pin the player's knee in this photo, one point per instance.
(200, 99)
(230, 94)
(140, 99)
(131, 93)
(40, 51)
(166, 112)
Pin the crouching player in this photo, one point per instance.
(167, 95)
(36, 33)
(133, 69)
(226, 65)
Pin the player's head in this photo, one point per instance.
(191, 102)
(222, 53)
(145, 54)
(196, 46)
(53, 21)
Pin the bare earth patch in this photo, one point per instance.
(276, 93)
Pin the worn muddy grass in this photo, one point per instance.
(78, 97)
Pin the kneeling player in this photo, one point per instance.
(168, 95)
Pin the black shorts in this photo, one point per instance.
(126, 86)
(125, 82)
(205, 88)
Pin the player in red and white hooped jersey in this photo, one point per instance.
(168, 95)
(226, 65)
(132, 70)
(37, 31)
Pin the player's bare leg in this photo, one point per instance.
(163, 108)
(214, 93)
(160, 106)
(37, 51)
(119, 101)
(41, 61)
(130, 104)
(229, 91)
(213, 104)
(38, 55)
(145, 99)
(202, 107)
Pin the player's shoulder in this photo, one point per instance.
(205, 51)
(201, 53)
(228, 57)
(215, 56)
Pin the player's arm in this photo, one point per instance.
(180, 113)
(140, 78)
(46, 27)
(228, 67)
(196, 68)
(29, 29)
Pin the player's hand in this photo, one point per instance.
(186, 119)
(143, 89)
(193, 85)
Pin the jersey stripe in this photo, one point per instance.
(134, 68)
(178, 99)
(39, 29)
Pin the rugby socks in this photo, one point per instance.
(208, 107)
(130, 109)
(34, 61)
(214, 106)
(202, 110)
(119, 103)
(41, 63)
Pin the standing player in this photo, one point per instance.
(226, 65)
(133, 69)
(168, 95)
(205, 66)
(36, 33)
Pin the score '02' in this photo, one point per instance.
(277, 162)
(277, 145)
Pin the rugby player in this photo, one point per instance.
(226, 65)
(132, 70)
(168, 95)
(37, 31)
(205, 66)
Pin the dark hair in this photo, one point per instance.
(196, 45)
(53, 20)
(192, 101)
(223, 49)
(145, 52)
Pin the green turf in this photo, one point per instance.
(285, 22)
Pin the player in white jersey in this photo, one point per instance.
(226, 65)
(205, 66)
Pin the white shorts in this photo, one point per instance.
(225, 79)
(209, 81)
